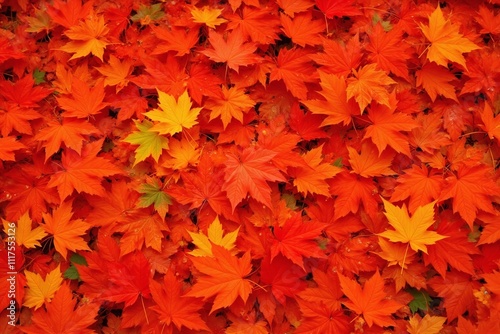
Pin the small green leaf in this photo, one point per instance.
(38, 76)
(421, 300)
(146, 14)
(72, 272)
(152, 193)
(338, 163)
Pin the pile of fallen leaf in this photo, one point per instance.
(288, 166)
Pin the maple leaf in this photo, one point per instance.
(411, 230)
(457, 291)
(247, 173)
(7, 147)
(388, 51)
(83, 101)
(116, 72)
(151, 143)
(327, 292)
(302, 29)
(426, 325)
(231, 103)
(395, 253)
(25, 235)
(296, 239)
(173, 116)
(420, 184)
(175, 39)
(313, 177)
(67, 233)
(447, 44)
(369, 163)
(208, 16)
(62, 315)
(89, 37)
(294, 67)
(370, 301)
(152, 193)
(321, 319)
(204, 186)
(71, 132)
(182, 153)
(454, 251)
(491, 124)
(338, 8)
(385, 129)
(436, 80)
(223, 277)
(41, 290)
(215, 236)
(233, 51)
(13, 117)
(369, 84)
(83, 173)
(471, 189)
(291, 7)
(173, 307)
(352, 190)
(284, 277)
(337, 107)
(127, 280)
(339, 58)
(258, 23)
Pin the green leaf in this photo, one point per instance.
(38, 76)
(146, 14)
(150, 143)
(72, 272)
(421, 300)
(154, 194)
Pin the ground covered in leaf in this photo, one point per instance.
(250, 166)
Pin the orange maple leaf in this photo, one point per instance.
(71, 133)
(233, 51)
(302, 29)
(447, 44)
(370, 301)
(247, 173)
(62, 315)
(471, 190)
(173, 307)
(67, 233)
(369, 84)
(8, 145)
(89, 37)
(231, 103)
(83, 173)
(436, 80)
(312, 179)
(336, 106)
(223, 277)
(369, 163)
(386, 127)
(83, 101)
(116, 72)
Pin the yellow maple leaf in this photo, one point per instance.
(25, 236)
(39, 290)
(426, 325)
(208, 16)
(446, 41)
(215, 236)
(369, 84)
(232, 103)
(151, 143)
(88, 37)
(173, 116)
(411, 230)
